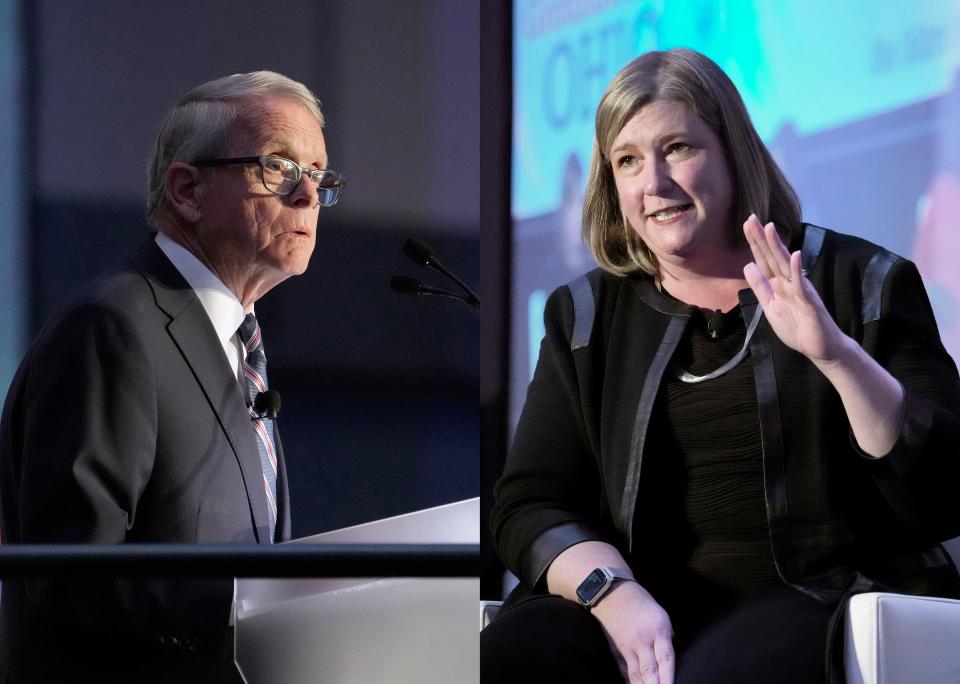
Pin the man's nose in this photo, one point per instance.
(306, 194)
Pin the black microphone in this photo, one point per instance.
(267, 404)
(421, 254)
(418, 251)
(412, 287)
(406, 285)
(715, 324)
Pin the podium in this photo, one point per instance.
(359, 631)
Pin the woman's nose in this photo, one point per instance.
(656, 178)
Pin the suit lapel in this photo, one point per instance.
(193, 333)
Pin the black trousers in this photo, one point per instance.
(778, 636)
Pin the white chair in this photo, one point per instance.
(897, 639)
(488, 610)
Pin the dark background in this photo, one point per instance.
(380, 413)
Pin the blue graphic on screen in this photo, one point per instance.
(858, 101)
(13, 265)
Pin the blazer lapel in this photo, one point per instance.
(193, 333)
(659, 316)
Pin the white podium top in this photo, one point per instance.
(454, 523)
(357, 631)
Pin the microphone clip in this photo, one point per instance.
(715, 324)
(265, 405)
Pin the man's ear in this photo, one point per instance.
(184, 193)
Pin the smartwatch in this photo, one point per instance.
(598, 583)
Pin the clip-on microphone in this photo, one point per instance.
(266, 404)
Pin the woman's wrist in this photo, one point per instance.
(843, 356)
(872, 398)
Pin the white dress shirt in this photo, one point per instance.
(222, 306)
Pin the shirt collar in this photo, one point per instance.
(222, 306)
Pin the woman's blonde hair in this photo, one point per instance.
(686, 76)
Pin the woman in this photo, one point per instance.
(734, 425)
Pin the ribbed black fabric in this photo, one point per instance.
(701, 512)
(710, 429)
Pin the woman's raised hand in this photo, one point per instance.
(790, 303)
(639, 632)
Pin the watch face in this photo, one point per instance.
(590, 587)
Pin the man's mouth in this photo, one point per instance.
(670, 213)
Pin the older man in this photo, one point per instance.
(132, 417)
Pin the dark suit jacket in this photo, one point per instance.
(125, 423)
(834, 516)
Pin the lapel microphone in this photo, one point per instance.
(715, 324)
(267, 404)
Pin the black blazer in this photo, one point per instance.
(834, 516)
(125, 423)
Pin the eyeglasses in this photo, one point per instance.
(281, 176)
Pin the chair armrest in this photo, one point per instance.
(488, 610)
(894, 639)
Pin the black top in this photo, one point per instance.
(706, 458)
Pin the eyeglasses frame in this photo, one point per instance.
(339, 183)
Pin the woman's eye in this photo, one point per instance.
(677, 147)
(626, 161)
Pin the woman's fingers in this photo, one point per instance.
(758, 283)
(654, 664)
(797, 274)
(769, 252)
(753, 230)
(776, 250)
(666, 659)
(646, 669)
(635, 625)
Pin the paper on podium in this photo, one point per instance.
(357, 631)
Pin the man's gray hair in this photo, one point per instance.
(200, 123)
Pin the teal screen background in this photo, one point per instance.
(858, 101)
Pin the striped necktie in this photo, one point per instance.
(255, 375)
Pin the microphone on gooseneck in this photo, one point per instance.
(412, 287)
(715, 324)
(267, 404)
(406, 285)
(421, 254)
(418, 251)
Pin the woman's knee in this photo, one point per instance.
(546, 638)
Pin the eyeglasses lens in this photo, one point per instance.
(282, 176)
(329, 184)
